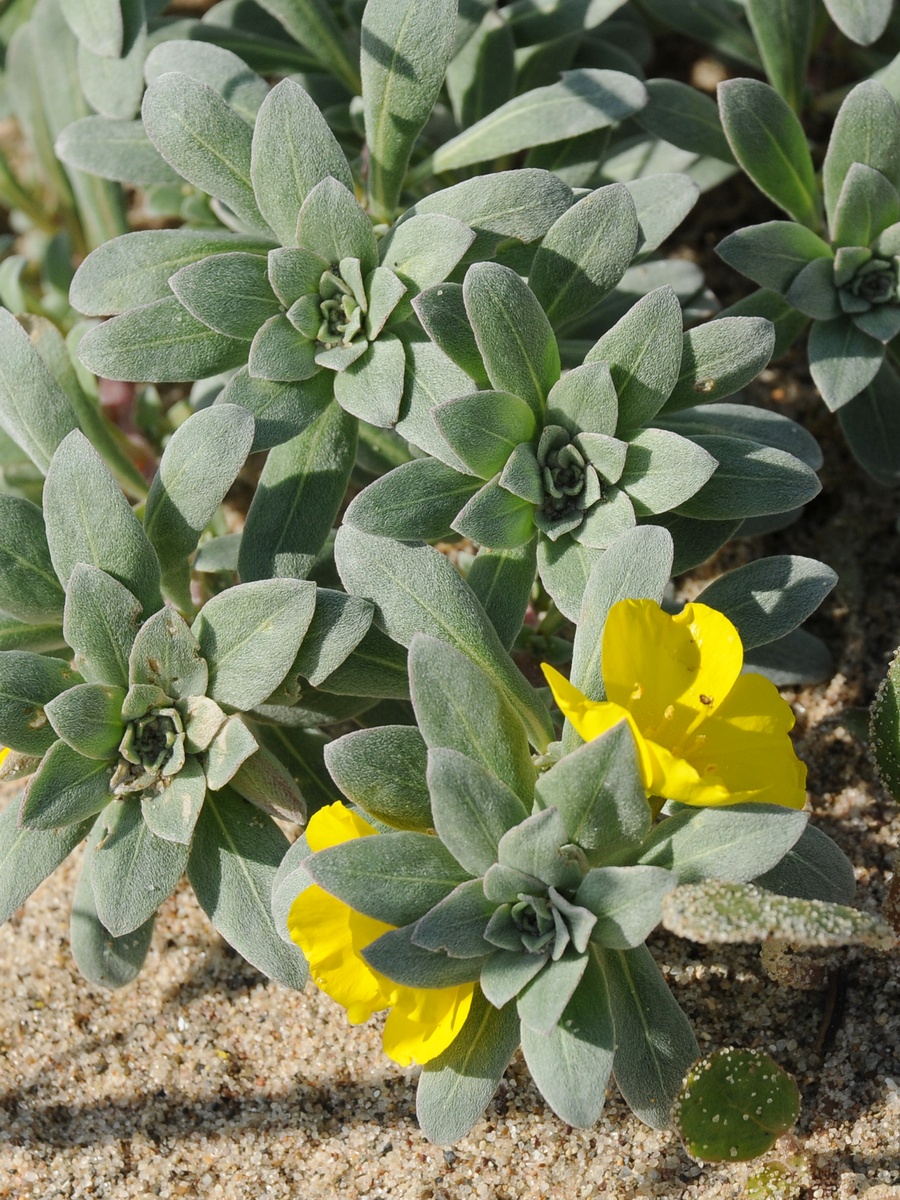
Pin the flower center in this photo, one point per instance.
(875, 282)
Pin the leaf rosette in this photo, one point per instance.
(538, 888)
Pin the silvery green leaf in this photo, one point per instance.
(663, 469)
(442, 313)
(385, 291)
(734, 843)
(159, 342)
(654, 1042)
(230, 293)
(598, 793)
(231, 746)
(539, 846)
(34, 410)
(882, 323)
(866, 130)
(397, 956)
(376, 667)
(419, 499)
(682, 115)
(115, 149)
(298, 497)
(371, 388)
(339, 624)
(171, 813)
(103, 960)
(266, 782)
(813, 869)
(720, 358)
(200, 463)
(482, 73)
(213, 65)
(870, 424)
(584, 400)
(862, 22)
(584, 254)
(565, 567)
(300, 750)
(16, 635)
(768, 141)
(460, 707)
(754, 424)
(99, 24)
(133, 870)
(519, 204)
(583, 100)
(332, 224)
(281, 411)
(166, 655)
(88, 717)
(29, 589)
(513, 334)
(456, 1087)
(416, 590)
(135, 269)
(643, 352)
(202, 721)
(406, 46)
(206, 142)
(114, 86)
(250, 635)
(695, 541)
(750, 480)
(867, 204)
(430, 377)
(506, 972)
(290, 880)
(627, 902)
(797, 658)
(295, 272)
(496, 517)
(456, 925)
(472, 809)
(234, 856)
(383, 771)
(424, 249)
(66, 789)
(484, 428)
(293, 150)
(576, 160)
(101, 620)
(280, 353)
(394, 877)
(843, 360)
(774, 253)
(315, 26)
(502, 581)
(768, 598)
(141, 698)
(636, 566)
(541, 1003)
(28, 856)
(89, 520)
(813, 291)
(783, 33)
(716, 912)
(571, 1064)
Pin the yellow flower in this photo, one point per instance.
(705, 733)
(422, 1021)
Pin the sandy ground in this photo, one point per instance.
(202, 1079)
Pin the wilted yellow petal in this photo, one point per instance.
(424, 1021)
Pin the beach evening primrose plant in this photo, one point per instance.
(422, 1021)
(705, 733)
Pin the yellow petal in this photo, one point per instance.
(332, 936)
(744, 752)
(334, 824)
(424, 1021)
(671, 673)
